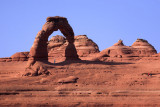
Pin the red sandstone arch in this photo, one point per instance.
(38, 52)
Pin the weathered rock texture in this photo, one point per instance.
(140, 48)
(156, 55)
(56, 46)
(70, 79)
(39, 52)
(83, 45)
(119, 43)
(20, 56)
(6, 59)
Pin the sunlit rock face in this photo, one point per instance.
(39, 49)
(20, 56)
(38, 56)
(118, 50)
(84, 46)
(140, 48)
(56, 46)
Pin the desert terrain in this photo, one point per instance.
(71, 71)
(124, 82)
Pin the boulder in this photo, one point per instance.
(70, 79)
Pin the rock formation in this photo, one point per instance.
(6, 59)
(156, 55)
(83, 45)
(56, 46)
(119, 43)
(20, 56)
(39, 53)
(86, 49)
(140, 48)
(117, 50)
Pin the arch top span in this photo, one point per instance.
(63, 25)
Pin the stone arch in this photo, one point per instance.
(38, 52)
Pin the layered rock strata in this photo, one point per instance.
(83, 45)
(140, 48)
(20, 56)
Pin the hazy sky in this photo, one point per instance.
(103, 21)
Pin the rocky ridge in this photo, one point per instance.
(87, 48)
(140, 48)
